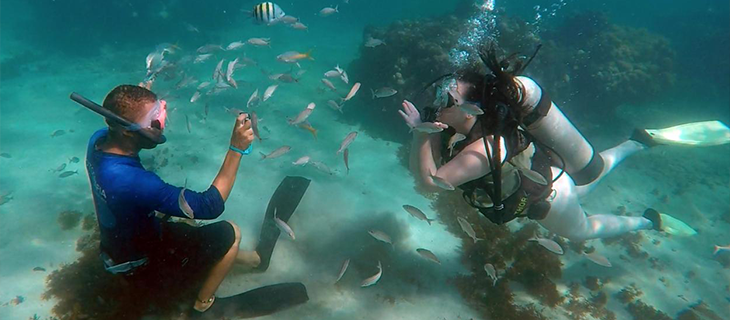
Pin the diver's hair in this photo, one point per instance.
(128, 100)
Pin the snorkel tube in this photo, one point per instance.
(131, 126)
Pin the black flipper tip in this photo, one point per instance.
(654, 217)
(643, 137)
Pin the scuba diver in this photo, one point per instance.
(153, 253)
(494, 132)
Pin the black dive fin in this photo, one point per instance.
(257, 302)
(285, 200)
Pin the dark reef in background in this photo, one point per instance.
(587, 64)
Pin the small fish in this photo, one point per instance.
(380, 236)
(327, 11)
(255, 125)
(338, 69)
(208, 48)
(288, 19)
(491, 272)
(374, 279)
(346, 157)
(301, 72)
(187, 122)
(254, 96)
(287, 78)
(303, 115)
(217, 73)
(203, 85)
(428, 255)
(294, 56)
(334, 105)
(58, 133)
(299, 26)
(259, 42)
(202, 58)
(184, 206)
(466, 227)
(321, 167)
(235, 45)
(441, 183)
(195, 97)
(456, 138)
(598, 259)
(383, 92)
(428, 127)
(283, 226)
(549, 244)
(417, 213)
(229, 73)
(269, 92)
(267, 12)
(74, 160)
(344, 77)
(372, 42)
(68, 173)
(329, 84)
(5, 198)
(719, 249)
(206, 109)
(308, 127)
(6, 155)
(301, 161)
(332, 74)
(276, 153)
(471, 109)
(352, 92)
(41, 269)
(347, 141)
(59, 168)
(345, 264)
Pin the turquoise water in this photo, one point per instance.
(49, 49)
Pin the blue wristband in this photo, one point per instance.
(242, 152)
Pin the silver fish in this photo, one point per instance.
(299, 26)
(283, 226)
(491, 272)
(380, 236)
(217, 72)
(598, 259)
(187, 122)
(68, 173)
(58, 133)
(202, 58)
(327, 11)
(441, 183)
(334, 105)
(6, 155)
(254, 96)
(338, 69)
(269, 91)
(195, 97)
(259, 41)
(343, 76)
(229, 73)
(288, 19)
(471, 109)
(233, 111)
(456, 138)
(184, 206)
(549, 244)
(276, 153)
(428, 255)
(345, 264)
(346, 157)
(383, 92)
(208, 48)
(427, 127)
(321, 167)
(332, 74)
(206, 109)
(303, 115)
(59, 168)
(74, 160)
(301, 161)
(352, 92)
(466, 227)
(347, 141)
(329, 84)
(372, 42)
(287, 78)
(235, 45)
(374, 279)
(255, 125)
(202, 85)
(417, 213)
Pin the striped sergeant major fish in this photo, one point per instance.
(267, 12)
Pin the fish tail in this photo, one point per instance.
(263, 155)
(308, 55)
(429, 221)
(337, 7)
(717, 249)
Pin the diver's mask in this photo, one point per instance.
(445, 93)
(149, 127)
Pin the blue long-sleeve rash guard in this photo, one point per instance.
(126, 197)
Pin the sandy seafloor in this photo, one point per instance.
(332, 221)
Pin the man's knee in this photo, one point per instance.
(236, 232)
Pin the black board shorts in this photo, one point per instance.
(183, 256)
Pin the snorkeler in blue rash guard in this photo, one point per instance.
(126, 197)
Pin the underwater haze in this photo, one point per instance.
(611, 67)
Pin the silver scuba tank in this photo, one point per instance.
(551, 127)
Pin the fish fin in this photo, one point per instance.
(717, 249)
(308, 55)
(337, 8)
(263, 155)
